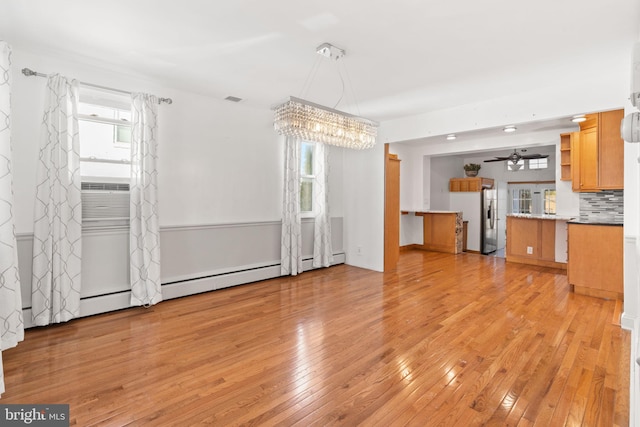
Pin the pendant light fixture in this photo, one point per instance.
(313, 122)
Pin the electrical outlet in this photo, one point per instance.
(359, 250)
(529, 250)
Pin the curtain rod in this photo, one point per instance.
(28, 72)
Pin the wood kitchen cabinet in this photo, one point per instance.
(597, 153)
(610, 151)
(442, 231)
(532, 240)
(567, 140)
(470, 184)
(595, 260)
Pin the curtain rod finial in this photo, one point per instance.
(28, 72)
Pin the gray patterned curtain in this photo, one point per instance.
(144, 237)
(291, 243)
(11, 325)
(57, 228)
(322, 250)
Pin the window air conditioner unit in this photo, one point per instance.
(105, 203)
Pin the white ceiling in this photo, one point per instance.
(403, 57)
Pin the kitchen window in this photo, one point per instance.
(535, 198)
(521, 201)
(549, 201)
(538, 163)
(514, 167)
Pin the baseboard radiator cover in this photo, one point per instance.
(99, 304)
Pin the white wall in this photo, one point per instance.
(363, 186)
(442, 170)
(410, 180)
(601, 93)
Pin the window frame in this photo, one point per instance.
(511, 166)
(537, 163)
(307, 178)
(549, 197)
(104, 196)
(119, 104)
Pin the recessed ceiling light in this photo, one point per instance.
(451, 137)
(509, 129)
(578, 118)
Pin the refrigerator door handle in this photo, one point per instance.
(491, 216)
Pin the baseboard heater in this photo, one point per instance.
(105, 303)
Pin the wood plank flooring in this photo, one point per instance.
(446, 340)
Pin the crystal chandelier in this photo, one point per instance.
(312, 122)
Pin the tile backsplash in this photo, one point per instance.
(602, 206)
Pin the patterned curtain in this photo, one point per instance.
(11, 325)
(144, 237)
(322, 251)
(57, 228)
(291, 245)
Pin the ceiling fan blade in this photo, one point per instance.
(535, 156)
(497, 159)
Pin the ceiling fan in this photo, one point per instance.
(515, 157)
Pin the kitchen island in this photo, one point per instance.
(531, 239)
(442, 231)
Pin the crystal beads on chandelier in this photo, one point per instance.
(312, 122)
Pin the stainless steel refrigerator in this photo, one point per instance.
(489, 224)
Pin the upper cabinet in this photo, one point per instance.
(470, 184)
(596, 153)
(566, 142)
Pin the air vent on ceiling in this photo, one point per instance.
(233, 98)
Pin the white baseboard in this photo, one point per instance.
(105, 303)
(627, 322)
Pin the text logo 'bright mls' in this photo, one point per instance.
(37, 415)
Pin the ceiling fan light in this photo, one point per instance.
(578, 118)
(451, 137)
(509, 129)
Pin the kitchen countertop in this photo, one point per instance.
(433, 212)
(550, 217)
(438, 212)
(596, 222)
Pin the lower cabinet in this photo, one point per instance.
(532, 241)
(442, 231)
(595, 260)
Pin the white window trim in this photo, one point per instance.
(97, 200)
(310, 178)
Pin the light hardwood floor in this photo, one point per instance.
(448, 340)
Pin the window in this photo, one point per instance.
(549, 201)
(538, 163)
(306, 177)
(532, 198)
(515, 166)
(104, 122)
(105, 142)
(521, 201)
(530, 164)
